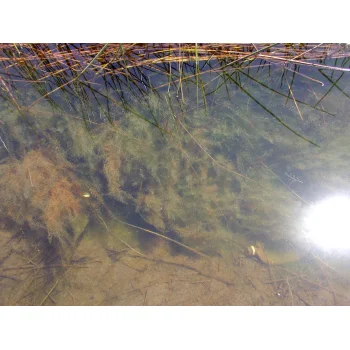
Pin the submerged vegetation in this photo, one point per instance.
(196, 143)
(42, 192)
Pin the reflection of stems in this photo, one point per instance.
(70, 81)
(12, 99)
(281, 94)
(334, 84)
(271, 113)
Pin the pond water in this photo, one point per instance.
(208, 185)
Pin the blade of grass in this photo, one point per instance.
(295, 102)
(74, 79)
(280, 93)
(334, 84)
(272, 114)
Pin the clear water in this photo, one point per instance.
(110, 196)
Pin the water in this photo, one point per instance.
(150, 193)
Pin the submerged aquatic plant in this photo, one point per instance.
(185, 136)
(41, 192)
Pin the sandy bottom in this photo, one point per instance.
(104, 271)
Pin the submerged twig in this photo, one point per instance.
(166, 238)
(152, 232)
(295, 102)
(33, 267)
(290, 291)
(4, 144)
(54, 286)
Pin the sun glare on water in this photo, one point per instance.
(327, 224)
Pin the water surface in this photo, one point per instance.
(155, 193)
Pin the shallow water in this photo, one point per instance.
(155, 198)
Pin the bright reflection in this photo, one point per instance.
(328, 223)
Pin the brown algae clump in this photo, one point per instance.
(42, 192)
